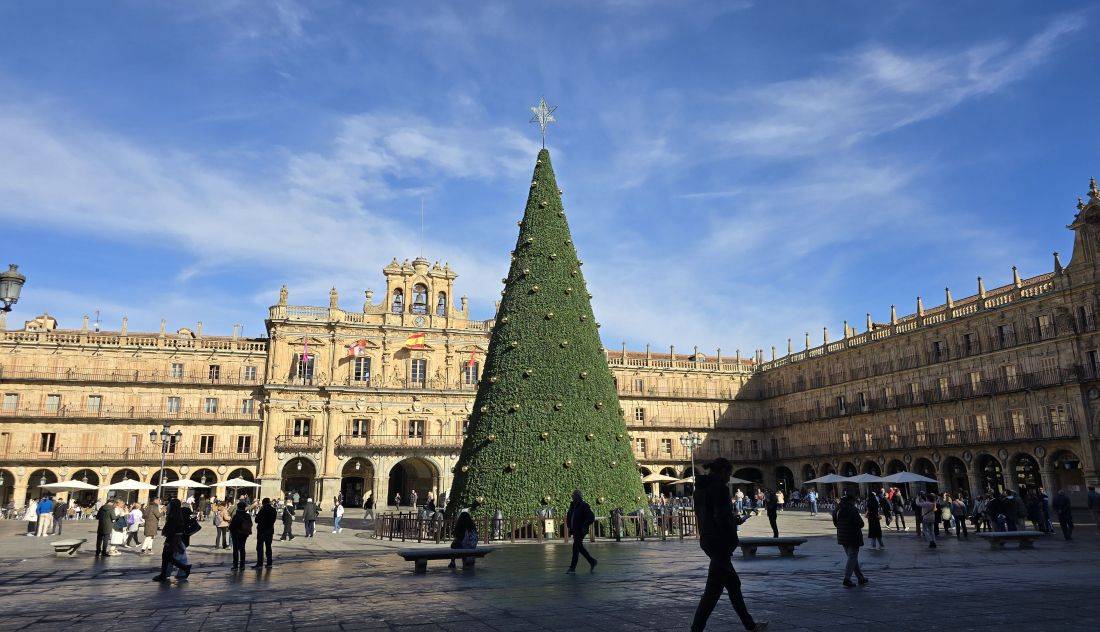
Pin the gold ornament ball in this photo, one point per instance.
(599, 405)
(601, 500)
(526, 271)
(564, 344)
(549, 315)
(542, 203)
(528, 372)
(546, 499)
(491, 438)
(534, 289)
(504, 319)
(553, 255)
(484, 409)
(614, 464)
(493, 379)
(513, 344)
(512, 466)
(515, 408)
(465, 468)
(534, 184)
(479, 499)
(544, 435)
(584, 374)
(568, 463)
(557, 406)
(590, 436)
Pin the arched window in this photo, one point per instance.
(398, 301)
(441, 304)
(420, 299)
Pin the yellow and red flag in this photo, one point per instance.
(415, 341)
(470, 362)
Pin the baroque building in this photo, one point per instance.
(990, 391)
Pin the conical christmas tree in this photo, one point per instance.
(546, 419)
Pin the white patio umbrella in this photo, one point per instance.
(129, 485)
(659, 478)
(184, 483)
(236, 482)
(828, 479)
(908, 477)
(690, 480)
(68, 486)
(865, 478)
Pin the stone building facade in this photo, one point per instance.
(994, 390)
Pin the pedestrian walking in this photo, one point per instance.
(578, 519)
(265, 533)
(105, 518)
(151, 518)
(959, 513)
(771, 506)
(1064, 513)
(133, 525)
(717, 526)
(309, 516)
(337, 514)
(412, 499)
(928, 515)
(288, 522)
(897, 504)
(368, 506)
(397, 501)
(60, 512)
(874, 526)
(812, 496)
(849, 534)
(45, 516)
(219, 517)
(240, 527)
(30, 514)
(174, 552)
(119, 527)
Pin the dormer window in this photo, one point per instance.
(441, 304)
(420, 299)
(398, 301)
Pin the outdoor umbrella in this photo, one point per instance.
(908, 477)
(733, 481)
(659, 478)
(68, 486)
(865, 478)
(236, 482)
(129, 485)
(185, 484)
(828, 479)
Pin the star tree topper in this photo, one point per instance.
(543, 115)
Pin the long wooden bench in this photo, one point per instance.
(786, 546)
(420, 557)
(67, 548)
(997, 539)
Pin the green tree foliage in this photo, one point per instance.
(546, 419)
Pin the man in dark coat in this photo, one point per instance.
(151, 516)
(60, 512)
(265, 532)
(1065, 515)
(771, 505)
(288, 523)
(105, 519)
(309, 515)
(849, 534)
(578, 519)
(717, 526)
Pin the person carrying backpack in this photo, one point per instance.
(717, 526)
(578, 519)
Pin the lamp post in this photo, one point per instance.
(690, 441)
(11, 281)
(163, 439)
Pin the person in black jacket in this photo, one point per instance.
(849, 534)
(288, 523)
(174, 532)
(1065, 515)
(240, 527)
(771, 505)
(309, 515)
(717, 526)
(578, 519)
(265, 533)
(105, 518)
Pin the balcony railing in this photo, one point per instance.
(299, 443)
(139, 340)
(360, 443)
(130, 455)
(716, 393)
(127, 412)
(20, 374)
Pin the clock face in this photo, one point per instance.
(419, 321)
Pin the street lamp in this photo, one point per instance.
(11, 282)
(690, 441)
(164, 438)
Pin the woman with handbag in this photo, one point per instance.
(928, 517)
(465, 534)
(176, 527)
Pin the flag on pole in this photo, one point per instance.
(357, 348)
(470, 362)
(415, 341)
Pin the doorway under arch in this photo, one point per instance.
(85, 497)
(356, 482)
(127, 496)
(299, 480)
(955, 472)
(1068, 476)
(1025, 473)
(990, 474)
(849, 469)
(7, 487)
(166, 493)
(784, 480)
(36, 480)
(413, 473)
(924, 467)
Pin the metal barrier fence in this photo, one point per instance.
(423, 527)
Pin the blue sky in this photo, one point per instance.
(735, 173)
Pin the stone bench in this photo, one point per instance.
(997, 539)
(786, 546)
(420, 557)
(67, 548)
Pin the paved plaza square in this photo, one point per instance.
(351, 582)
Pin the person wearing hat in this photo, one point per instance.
(717, 525)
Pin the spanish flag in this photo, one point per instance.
(415, 341)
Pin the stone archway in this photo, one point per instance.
(414, 473)
(668, 489)
(925, 467)
(299, 480)
(166, 493)
(1068, 476)
(990, 474)
(86, 497)
(954, 472)
(755, 478)
(127, 496)
(242, 472)
(849, 469)
(808, 474)
(1026, 474)
(36, 480)
(784, 480)
(7, 487)
(357, 481)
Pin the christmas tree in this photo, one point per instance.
(546, 419)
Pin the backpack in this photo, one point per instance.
(469, 541)
(129, 519)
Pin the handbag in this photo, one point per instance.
(192, 527)
(469, 541)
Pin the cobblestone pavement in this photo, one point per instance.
(349, 582)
